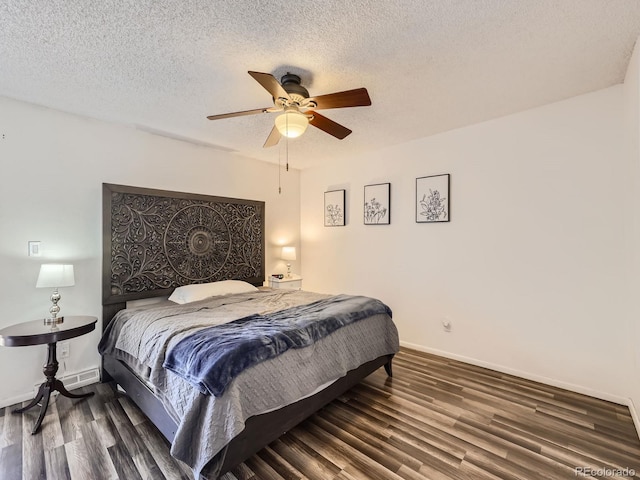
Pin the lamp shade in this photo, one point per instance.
(292, 123)
(55, 275)
(288, 253)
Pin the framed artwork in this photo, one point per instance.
(432, 199)
(377, 204)
(334, 215)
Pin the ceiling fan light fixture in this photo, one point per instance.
(292, 123)
(289, 97)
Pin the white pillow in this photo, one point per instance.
(200, 291)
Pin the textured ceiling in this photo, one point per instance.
(429, 66)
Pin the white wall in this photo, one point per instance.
(632, 111)
(53, 166)
(533, 271)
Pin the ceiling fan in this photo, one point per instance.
(299, 109)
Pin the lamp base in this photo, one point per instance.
(53, 320)
(54, 310)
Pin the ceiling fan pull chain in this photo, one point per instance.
(279, 171)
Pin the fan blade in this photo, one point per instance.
(329, 126)
(350, 98)
(239, 114)
(273, 138)
(270, 84)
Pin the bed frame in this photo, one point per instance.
(155, 241)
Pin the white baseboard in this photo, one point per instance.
(70, 381)
(529, 376)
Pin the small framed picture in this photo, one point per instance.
(432, 199)
(377, 204)
(334, 214)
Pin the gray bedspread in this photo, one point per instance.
(212, 357)
(206, 424)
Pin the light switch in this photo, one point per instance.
(34, 249)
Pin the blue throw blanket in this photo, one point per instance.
(211, 358)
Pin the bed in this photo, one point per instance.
(160, 244)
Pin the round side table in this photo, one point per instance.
(37, 333)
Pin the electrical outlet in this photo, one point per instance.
(63, 349)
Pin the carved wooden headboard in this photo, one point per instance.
(156, 240)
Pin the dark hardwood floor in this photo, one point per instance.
(436, 419)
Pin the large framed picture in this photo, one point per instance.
(432, 199)
(334, 214)
(377, 204)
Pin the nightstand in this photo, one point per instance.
(37, 333)
(288, 283)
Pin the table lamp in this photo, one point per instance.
(55, 275)
(288, 253)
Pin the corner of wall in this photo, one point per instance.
(634, 415)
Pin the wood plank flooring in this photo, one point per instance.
(435, 419)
